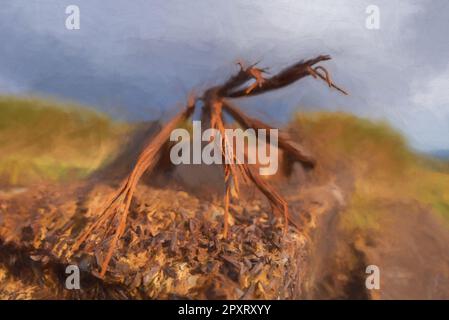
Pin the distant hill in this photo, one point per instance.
(49, 140)
(441, 154)
(378, 159)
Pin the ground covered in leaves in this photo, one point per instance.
(172, 247)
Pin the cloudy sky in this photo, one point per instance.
(138, 59)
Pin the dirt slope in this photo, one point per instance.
(411, 250)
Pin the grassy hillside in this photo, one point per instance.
(47, 140)
(43, 140)
(384, 169)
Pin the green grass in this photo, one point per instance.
(383, 167)
(43, 140)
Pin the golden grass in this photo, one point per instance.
(384, 169)
(47, 140)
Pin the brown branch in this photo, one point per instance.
(278, 203)
(326, 77)
(117, 206)
(284, 78)
(297, 152)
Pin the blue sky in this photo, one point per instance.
(138, 59)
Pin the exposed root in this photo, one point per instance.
(255, 73)
(326, 77)
(117, 206)
(115, 211)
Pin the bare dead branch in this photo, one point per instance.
(117, 206)
(284, 78)
(297, 152)
(115, 210)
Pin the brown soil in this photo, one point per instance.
(174, 248)
(411, 250)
